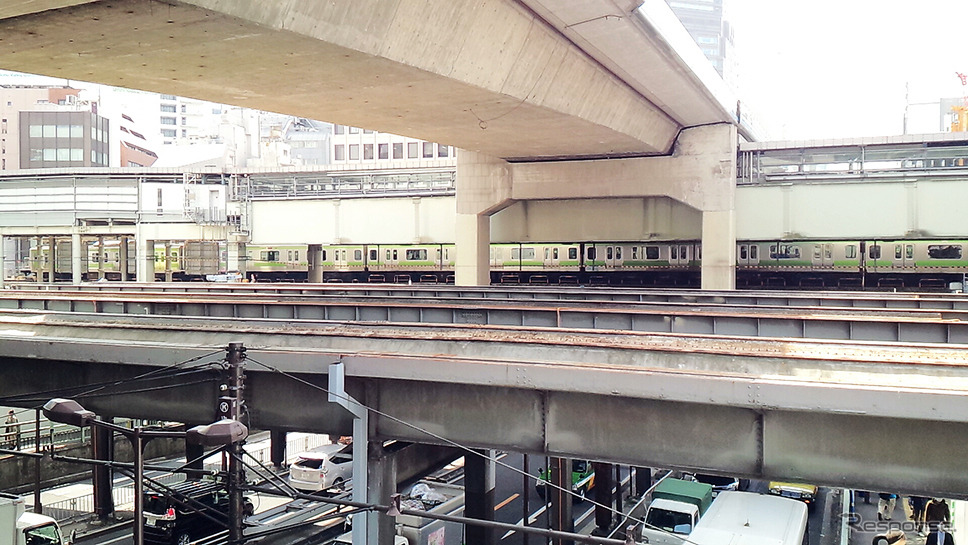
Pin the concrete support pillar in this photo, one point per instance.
(51, 258)
(277, 448)
(472, 266)
(560, 516)
(167, 261)
(235, 257)
(146, 262)
(719, 250)
(100, 257)
(483, 188)
(123, 259)
(381, 484)
(315, 260)
(77, 261)
(6, 262)
(479, 486)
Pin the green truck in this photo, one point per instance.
(676, 507)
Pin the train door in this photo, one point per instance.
(822, 256)
(679, 254)
(903, 255)
(613, 255)
(748, 254)
(552, 256)
(339, 258)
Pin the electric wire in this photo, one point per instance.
(440, 438)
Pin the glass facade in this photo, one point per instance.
(63, 139)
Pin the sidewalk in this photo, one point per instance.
(862, 532)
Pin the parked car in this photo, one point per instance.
(807, 493)
(188, 511)
(322, 468)
(718, 482)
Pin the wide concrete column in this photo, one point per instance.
(381, 472)
(235, 254)
(718, 250)
(483, 188)
(315, 261)
(718, 207)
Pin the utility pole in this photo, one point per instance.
(229, 407)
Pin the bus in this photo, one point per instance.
(752, 519)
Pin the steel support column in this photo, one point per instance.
(102, 443)
(560, 516)
(479, 494)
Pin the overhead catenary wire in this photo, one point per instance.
(440, 438)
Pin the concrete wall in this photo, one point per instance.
(349, 221)
(866, 209)
(653, 218)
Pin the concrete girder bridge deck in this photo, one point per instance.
(828, 412)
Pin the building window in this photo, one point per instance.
(354, 152)
(168, 108)
(184, 121)
(398, 150)
(354, 130)
(168, 120)
(183, 108)
(338, 152)
(339, 129)
(412, 150)
(367, 152)
(428, 150)
(169, 133)
(367, 131)
(383, 151)
(442, 150)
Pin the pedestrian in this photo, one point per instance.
(918, 503)
(936, 513)
(940, 537)
(12, 431)
(885, 505)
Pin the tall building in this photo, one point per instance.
(707, 24)
(44, 126)
(357, 148)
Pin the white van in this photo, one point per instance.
(752, 519)
(322, 468)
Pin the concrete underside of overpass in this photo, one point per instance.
(823, 412)
(488, 77)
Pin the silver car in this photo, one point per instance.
(322, 468)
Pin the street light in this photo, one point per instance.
(223, 432)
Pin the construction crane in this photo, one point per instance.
(959, 117)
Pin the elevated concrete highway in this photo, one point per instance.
(616, 84)
(828, 412)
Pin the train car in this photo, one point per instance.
(283, 261)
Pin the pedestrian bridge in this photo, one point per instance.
(849, 413)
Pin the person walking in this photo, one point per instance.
(939, 536)
(885, 505)
(12, 430)
(918, 503)
(936, 513)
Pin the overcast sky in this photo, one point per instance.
(837, 68)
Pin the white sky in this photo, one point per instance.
(837, 68)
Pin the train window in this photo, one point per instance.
(618, 252)
(909, 251)
(591, 252)
(394, 255)
(944, 251)
(754, 251)
(874, 251)
(373, 254)
(297, 255)
(673, 252)
(635, 252)
(417, 255)
(652, 252)
(547, 252)
(438, 254)
(290, 255)
(682, 252)
(357, 255)
(816, 251)
(608, 252)
(743, 252)
(388, 255)
(850, 251)
(554, 253)
(270, 255)
(699, 252)
(446, 254)
(324, 255)
(828, 252)
(572, 253)
(897, 251)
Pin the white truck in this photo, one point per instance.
(18, 527)
(676, 508)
